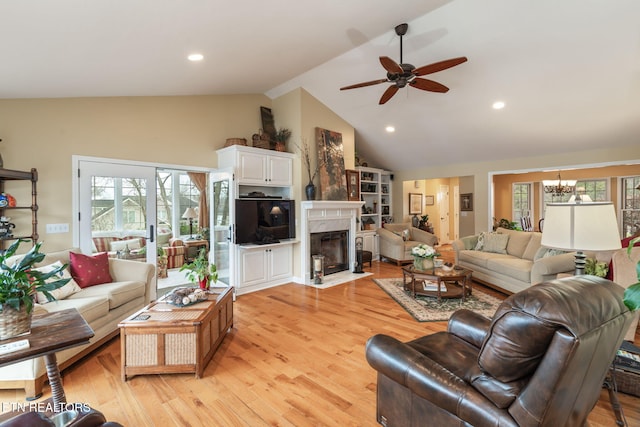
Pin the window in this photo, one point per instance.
(630, 205)
(117, 204)
(521, 201)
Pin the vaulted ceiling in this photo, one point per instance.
(568, 71)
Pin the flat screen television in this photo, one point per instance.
(263, 221)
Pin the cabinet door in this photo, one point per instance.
(252, 168)
(280, 170)
(254, 267)
(280, 260)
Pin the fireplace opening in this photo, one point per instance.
(334, 245)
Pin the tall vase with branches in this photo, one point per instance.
(305, 152)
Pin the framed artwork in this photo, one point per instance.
(353, 185)
(429, 200)
(333, 177)
(268, 124)
(415, 203)
(466, 202)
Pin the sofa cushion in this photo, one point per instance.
(71, 287)
(117, 293)
(90, 308)
(511, 266)
(495, 243)
(89, 270)
(518, 241)
(479, 258)
(532, 246)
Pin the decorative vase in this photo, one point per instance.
(310, 190)
(423, 263)
(204, 283)
(14, 322)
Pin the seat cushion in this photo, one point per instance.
(90, 308)
(116, 293)
(511, 266)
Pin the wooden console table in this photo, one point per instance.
(51, 332)
(163, 338)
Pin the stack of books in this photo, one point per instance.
(430, 286)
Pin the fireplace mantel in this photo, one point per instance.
(326, 215)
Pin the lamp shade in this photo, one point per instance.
(581, 227)
(189, 213)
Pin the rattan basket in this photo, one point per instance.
(14, 322)
(627, 382)
(235, 141)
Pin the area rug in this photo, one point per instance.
(426, 309)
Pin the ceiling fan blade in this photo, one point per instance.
(390, 65)
(357, 85)
(429, 85)
(391, 90)
(439, 66)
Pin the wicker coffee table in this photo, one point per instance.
(437, 282)
(163, 338)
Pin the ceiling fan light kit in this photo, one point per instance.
(401, 74)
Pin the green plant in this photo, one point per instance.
(424, 219)
(596, 268)
(19, 281)
(200, 269)
(283, 135)
(632, 293)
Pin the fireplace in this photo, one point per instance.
(334, 246)
(334, 224)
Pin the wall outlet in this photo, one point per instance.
(57, 228)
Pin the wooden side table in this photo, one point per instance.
(51, 332)
(194, 243)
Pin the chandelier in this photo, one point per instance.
(559, 187)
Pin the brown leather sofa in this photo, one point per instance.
(541, 360)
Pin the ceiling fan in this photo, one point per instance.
(402, 74)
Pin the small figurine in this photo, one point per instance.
(5, 228)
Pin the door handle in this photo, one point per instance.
(152, 237)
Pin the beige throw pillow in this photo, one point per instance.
(496, 243)
(119, 245)
(61, 293)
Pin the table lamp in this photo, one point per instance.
(190, 214)
(581, 227)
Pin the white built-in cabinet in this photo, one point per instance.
(262, 266)
(268, 172)
(370, 243)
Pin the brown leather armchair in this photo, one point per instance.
(541, 360)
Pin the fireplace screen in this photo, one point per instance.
(334, 245)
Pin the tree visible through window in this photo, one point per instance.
(630, 209)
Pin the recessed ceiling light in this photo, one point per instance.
(195, 57)
(498, 105)
(390, 129)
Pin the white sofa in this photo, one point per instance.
(102, 306)
(524, 262)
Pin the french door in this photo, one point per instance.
(116, 199)
(221, 210)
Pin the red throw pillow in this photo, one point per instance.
(89, 270)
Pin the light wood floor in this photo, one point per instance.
(295, 357)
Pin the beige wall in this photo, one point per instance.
(45, 133)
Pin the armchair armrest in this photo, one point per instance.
(469, 326)
(423, 236)
(419, 373)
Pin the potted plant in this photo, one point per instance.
(282, 136)
(200, 270)
(632, 293)
(19, 282)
